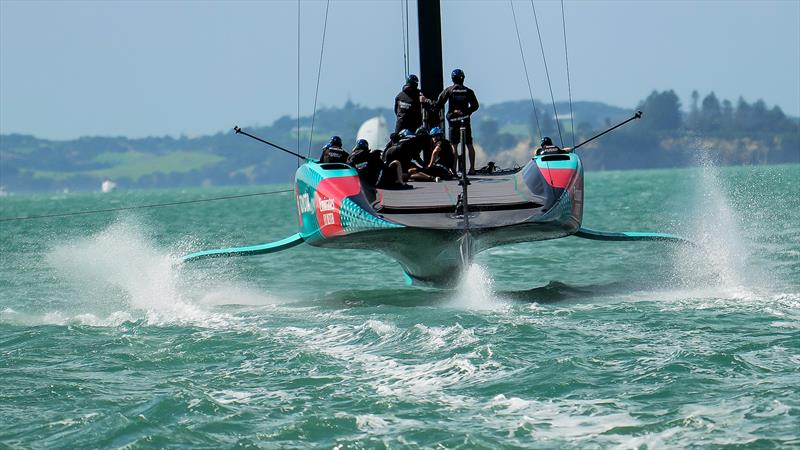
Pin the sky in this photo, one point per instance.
(152, 68)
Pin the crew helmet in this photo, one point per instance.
(405, 133)
(362, 144)
(421, 131)
(335, 141)
(457, 76)
(436, 131)
(412, 79)
(546, 141)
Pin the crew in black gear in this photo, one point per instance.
(443, 163)
(333, 152)
(406, 152)
(425, 144)
(408, 106)
(547, 147)
(367, 163)
(461, 104)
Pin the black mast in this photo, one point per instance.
(429, 21)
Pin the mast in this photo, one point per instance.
(429, 21)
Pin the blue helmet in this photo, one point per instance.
(457, 76)
(412, 79)
(335, 141)
(406, 133)
(436, 131)
(421, 131)
(362, 144)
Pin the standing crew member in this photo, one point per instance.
(462, 103)
(408, 106)
(333, 152)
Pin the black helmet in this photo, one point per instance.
(335, 141)
(457, 76)
(421, 131)
(546, 141)
(412, 79)
(362, 144)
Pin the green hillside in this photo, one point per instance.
(741, 134)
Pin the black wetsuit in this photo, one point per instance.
(548, 150)
(368, 164)
(333, 155)
(459, 98)
(408, 109)
(405, 151)
(445, 161)
(425, 144)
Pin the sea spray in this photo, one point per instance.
(119, 271)
(721, 259)
(475, 290)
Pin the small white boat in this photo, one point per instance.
(108, 186)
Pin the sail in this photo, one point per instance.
(374, 131)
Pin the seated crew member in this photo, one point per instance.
(394, 138)
(461, 104)
(424, 142)
(443, 160)
(333, 152)
(548, 148)
(368, 164)
(408, 106)
(406, 152)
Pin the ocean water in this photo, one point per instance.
(106, 340)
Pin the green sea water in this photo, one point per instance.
(106, 341)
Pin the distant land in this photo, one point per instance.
(667, 136)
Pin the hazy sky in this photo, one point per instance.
(140, 68)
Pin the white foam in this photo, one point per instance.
(722, 265)
(454, 336)
(475, 291)
(119, 275)
(370, 423)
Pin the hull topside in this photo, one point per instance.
(423, 228)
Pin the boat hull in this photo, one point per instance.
(424, 228)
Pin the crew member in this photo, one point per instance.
(408, 106)
(368, 164)
(333, 152)
(425, 144)
(406, 152)
(461, 104)
(442, 165)
(548, 148)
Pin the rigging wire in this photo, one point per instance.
(569, 85)
(405, 45)
(298, 80)
(319, 74)
(525, 65)
(154, 205)
(549, 84)
(408, 43)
